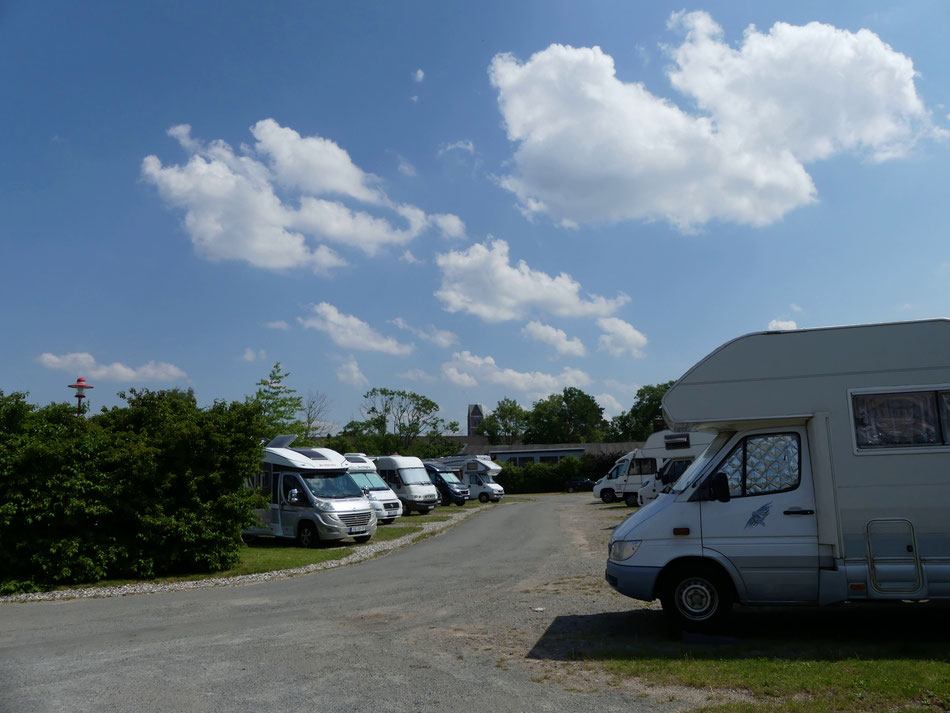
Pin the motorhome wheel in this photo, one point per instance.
(483, 497)
(389, 521)
(425, 511)
(307, 535)
(696, 596)
(608, 496)
(362, 539)
(631, 500)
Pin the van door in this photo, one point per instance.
(289, 513)
(768, 530)
(892, 554)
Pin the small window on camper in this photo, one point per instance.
(900, 420)
(642, 466)
(760, 465)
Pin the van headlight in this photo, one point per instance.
(620, 550)
(323, 506)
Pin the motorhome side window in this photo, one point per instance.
(758, 465)
(901, 420)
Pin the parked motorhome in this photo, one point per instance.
(312, 498)
(828, 479)
(478, 474)
(625, 477)
(673, 452)
(385, 502)
(446, 480)
(408, 478)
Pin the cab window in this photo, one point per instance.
(763, 464)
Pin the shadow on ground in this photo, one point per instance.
(877, 631)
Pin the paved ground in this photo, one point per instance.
(492, 615)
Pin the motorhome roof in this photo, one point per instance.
(790, 375)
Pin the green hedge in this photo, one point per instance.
(150, 489)
(548, 477)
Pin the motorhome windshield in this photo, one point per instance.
(332, 485)
(370, 481)
(416, 475)
(448, 476)
(486, 477)
(701, 462)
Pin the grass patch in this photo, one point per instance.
(394, 532)
(852, 659)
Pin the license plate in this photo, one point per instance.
(357, 530)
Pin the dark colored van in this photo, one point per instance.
(451, 490)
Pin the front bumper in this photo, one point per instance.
(634, 582)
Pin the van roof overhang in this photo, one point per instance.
(726, 423)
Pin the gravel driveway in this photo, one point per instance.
(494, 614)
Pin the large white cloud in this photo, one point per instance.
(439, 337)
(85, 365)
(351, 332)
(557, 338)
(482, 281)
(620, 337)
(467, 369)
(233, 210)
(349, 373)
(592, 148)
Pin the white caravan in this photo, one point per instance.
(385, 503)
(673, 452)
(827, 480)
(311, 496)
(478, 473)
(408, 478)
(625, 477)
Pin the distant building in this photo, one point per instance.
(476, 414)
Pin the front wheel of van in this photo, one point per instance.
(307, 535)
(362, 539)
(608, 496)
(631, 500)
(483, 497)
(697, 596)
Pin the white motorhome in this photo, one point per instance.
(828, 479)
(673, 452)
(385, 502)
(478, 474)
(312, 498)
(626, 476)
(407, 476)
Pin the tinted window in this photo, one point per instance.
(898, 420)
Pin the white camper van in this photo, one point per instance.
(673, 452)
(311, 496)
(626, 476)
(478, 474)
(828, 479)
(385, 503)
(408, 478)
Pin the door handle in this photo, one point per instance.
(799, 512)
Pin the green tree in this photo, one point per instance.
(403, 421)
(637, 423)
(279, 403)
(506, 424)
(569, 417)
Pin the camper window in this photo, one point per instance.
(759, 465)
(899, 420)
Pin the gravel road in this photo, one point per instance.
(494, 614)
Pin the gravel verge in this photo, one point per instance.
(360, 554)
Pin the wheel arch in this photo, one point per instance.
(724, 567)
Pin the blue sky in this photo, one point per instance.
(468, 200)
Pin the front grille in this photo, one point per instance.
(391, 506)
(353, 519)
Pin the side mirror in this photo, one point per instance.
(293, 496)
(719, 488)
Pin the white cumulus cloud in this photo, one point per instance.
(254, 354)
(593, 148)
(467, 369)
(609, 404)
(778, 325)
(278, 324)
(349, 373)
(85, 365)
(439, 337)
(351, 332)
(275, 205)
(418, 75)
(483, 282)
(557, 338)
(620, 338)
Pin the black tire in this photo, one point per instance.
(362, 539)
(483, 497)
(446, 500)
(460, 503)
(631, 500)
(388, 521)
(307, 535)
(696, 596)
(608, 496)
(425, 510)
(406, 510)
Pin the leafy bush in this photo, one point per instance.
(548, 477)
(149, 489)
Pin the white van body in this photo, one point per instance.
(673, 452)
(625, 477)
(385, 502)
(828, 481)
(478, 473)
(311, 496)
(407, 476)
